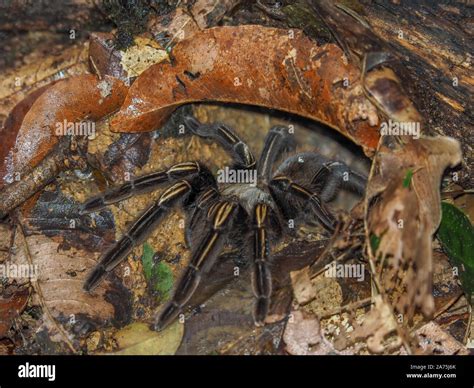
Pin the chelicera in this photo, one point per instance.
(252, 216)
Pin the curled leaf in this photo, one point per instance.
(406, 218)
(73, 100)
(222, 64)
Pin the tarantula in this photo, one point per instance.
(250, 215)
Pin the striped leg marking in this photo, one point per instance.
(138, 233)
(221, 216)
(326, 219)
(226, 137)
(141, 185)
(277, 141)
(333, 173)
(261, 275)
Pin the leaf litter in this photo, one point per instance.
(432, 155)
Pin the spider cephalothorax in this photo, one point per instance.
(250, 214)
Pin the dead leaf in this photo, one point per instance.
(434, 340)
(11, 308)
(138, 339)
(303, 336)
(17, 83)
(219, 64)
(302, 287)
(9, 131)
(127, 64)
(407, 215)
(378, 325)
(72, 100)
(57, 275)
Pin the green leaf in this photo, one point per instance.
(158, 274)
(456, 234)
(147, 260)
(407, 179)
(374, 242)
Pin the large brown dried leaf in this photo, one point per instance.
(235, 64)
(74, 99)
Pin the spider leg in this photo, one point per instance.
(138, 232)
(221, 216)
(204, 201)
(261, 275)
(278, 140)
(140, 185)
(226, 137)
(282, 183)
(337, 175)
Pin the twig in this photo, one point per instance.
(60, 159)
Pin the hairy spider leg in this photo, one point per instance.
(198, 180)
(261, 275)
(225, 136)
(281, 183)
(277, 141)
(139, 231)
(221, 216)
(140, 185)
(338, 175)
